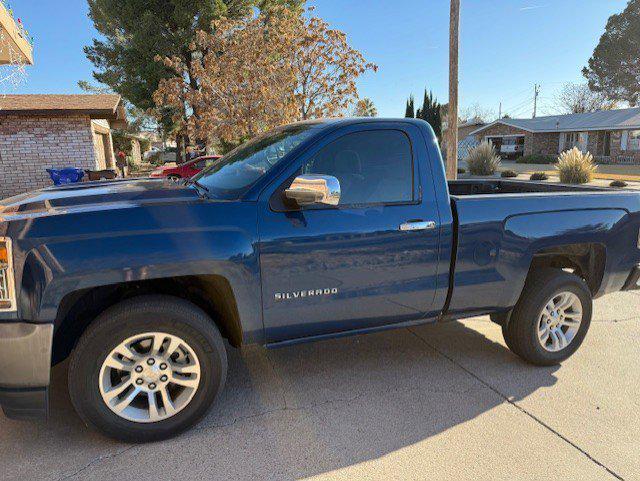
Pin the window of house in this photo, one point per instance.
(575, 139)
(633, 140)
(372, 167)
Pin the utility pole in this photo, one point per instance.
(452, 141)
(500, 111)
(536, 92)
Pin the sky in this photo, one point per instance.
(506, 46)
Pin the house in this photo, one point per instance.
(611, 136)
(466, 141)
(42, 131)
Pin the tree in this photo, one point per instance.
(410, 110)
(365, 108)
(326, 69)
(431, 112)
(579, 98)
(137, 119)
(244, 79)
(613, 69)
(135, 32)
(475, 112)
(260, 71)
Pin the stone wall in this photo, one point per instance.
(542, 143)
(31, 144)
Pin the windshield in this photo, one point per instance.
(234, 173)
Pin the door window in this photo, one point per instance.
(373, 167)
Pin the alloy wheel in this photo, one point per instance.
(149, 377)
(559, 321)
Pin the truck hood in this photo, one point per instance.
(93, 196)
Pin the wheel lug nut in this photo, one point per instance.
(152, 385)
(164, 378)
(138, 368)
(163, 365)
(151, 361)
(139, 381)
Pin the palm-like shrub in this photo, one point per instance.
(483, 160)
(575, 167)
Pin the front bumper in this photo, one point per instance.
(25, 367)
(633, 281)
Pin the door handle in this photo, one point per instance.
(418, 225)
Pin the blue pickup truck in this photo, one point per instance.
(313, 230)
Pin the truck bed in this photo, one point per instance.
(499, 186)
(500, 225)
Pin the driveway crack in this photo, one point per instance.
(518, 407)
(95, 461)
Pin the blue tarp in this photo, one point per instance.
(70, 175)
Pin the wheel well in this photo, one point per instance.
(211, 293)
(584, 260)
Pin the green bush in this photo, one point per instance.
(483, 160)
(461, 170)
(536, 159)
(618, 183)
(576, 167)
(539, 176)
(508, 173)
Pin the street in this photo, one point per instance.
(443, 401)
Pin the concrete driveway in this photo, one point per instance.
(434, 402)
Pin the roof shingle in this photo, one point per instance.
(103, 106)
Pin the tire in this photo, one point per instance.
(174, 178)
(521, 332)
(173, 318)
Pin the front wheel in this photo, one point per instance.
(551, 319)
(147, 368)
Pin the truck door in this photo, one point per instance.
(369, 261)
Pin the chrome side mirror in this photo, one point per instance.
(310, 189)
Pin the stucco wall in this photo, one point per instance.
(30, 144)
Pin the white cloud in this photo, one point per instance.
(531, 7)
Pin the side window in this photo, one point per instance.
(372, 167)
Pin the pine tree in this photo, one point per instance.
(431, 112)
(410, 108)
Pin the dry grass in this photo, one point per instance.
(483, 160)
(576, 167)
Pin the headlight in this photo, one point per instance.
(7, 288)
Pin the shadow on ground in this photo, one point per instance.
(293, 412)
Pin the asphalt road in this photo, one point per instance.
(434, 402)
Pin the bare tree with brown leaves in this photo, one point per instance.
(327, 69)
(244, 78)
(261, 71)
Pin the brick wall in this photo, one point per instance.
(31, 144)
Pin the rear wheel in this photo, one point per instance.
(174, 177)
(147, 368)
(551, 319)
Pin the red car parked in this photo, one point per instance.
(185, 170)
